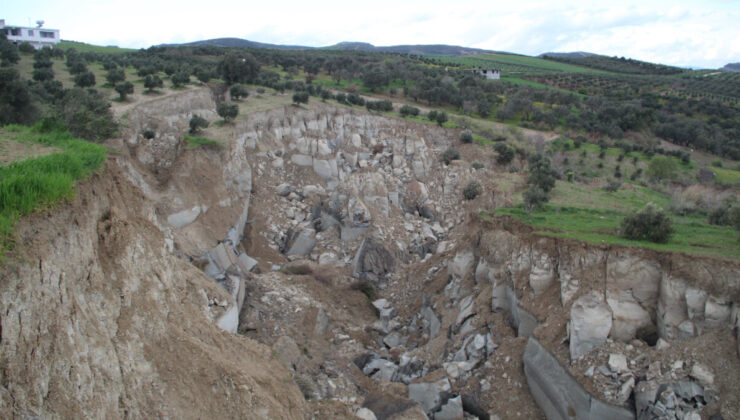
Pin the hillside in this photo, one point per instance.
(733, 67)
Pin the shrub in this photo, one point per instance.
(367, 288)
(449, 155)
(535, 197)
(612, 186)
(86, 79)
(722, 214)
(238, 92)
(432, 115)
(472, 190)
(478, 165)
(180, 78)
(650, 223)
(325, 94)
(505, 153)
(441, 118)
(197, 123)
(662, 168)
(341, 98)
(115, 75)
(227, 111)
(27, 48)
(152, 81)
(300, 98)
(86, 113)
(407, 110)
(541, 173)
(148, 134)
(124, 88)
(355, 99)
(466, 136)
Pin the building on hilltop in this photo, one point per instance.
(38, 37)
(494, 74)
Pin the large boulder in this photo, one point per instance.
(372, 260)
(590, 323)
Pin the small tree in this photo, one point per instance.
(228, 111)
(238, 91)
(84, 80)
(180, 78)
(115, 75)
(449, 155)
(8, 52)
(535, 197)
(432, 115)
(650, 223)
(662, 168)
(407, 110)
(441, 118)
(203, 75)
(541, 173)
(197, 123)
(43, 74)
(466, 136)
(472, 190)
(152, 81)
(27, 48)
(300, 98)
(124, 88)
(505, 153)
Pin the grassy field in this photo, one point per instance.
(82, 47)
(726, 176)
(41, 182)
(514, 66)
(195, 142)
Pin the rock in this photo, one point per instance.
(686, 329)
(287, 352)
(626, 390)
(416, 195)
(466, 310)
(229, 321)
(618, 363)
(381, 369)
(365, 414)
(662, 345)
(462, 264)
(301, 243)
(590, 323)
(322, 322)
(430, 320)
(372, 260)
(703, 374)
(283, 190)
(627, 315)
(589, 372)
(426, 212)
(717, 312)
(429, 394)
(248, 262)
(359, 214)
(184, 218)
(328, 258)
(558, 394)
(392, 340)
(453, 410)
(302, 160)
(323, 168)
(695, 301)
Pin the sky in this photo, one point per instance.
(698, 34)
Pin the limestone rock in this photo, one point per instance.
(184, 218)
(590, 323)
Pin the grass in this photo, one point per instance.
(693, 235)
(726, 176)
(82, 47)
(195, 142)
(44, 181)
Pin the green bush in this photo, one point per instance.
(408, 110)
(86, 114)
(227, 111)
(27, 48)
(197, 123)
(472, 190)
(152, 81)
(300, 98)
(535, 197)
(722, 215)
(662, 168)
(612, 186)
(541, 173)
(478, 165)
(124, 88)
(238, 92)
(148, 134)
(84, 80)
(449, 155)
(180, 78)
(505, 153)
(650, 223)
(466, 136)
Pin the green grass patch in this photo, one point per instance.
(598, 226)
(44, 181)
(82, 47)
(195, 142)
(726, 176)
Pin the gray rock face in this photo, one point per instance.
(430, 320)
(322, 168)
(429, 394)
(462, 264)
(302, 160)
(299, 243)
(372, 260)
(184, 218)
(453, 410)
(558, 394)
(590, 323)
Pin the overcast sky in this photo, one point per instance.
(678, 32)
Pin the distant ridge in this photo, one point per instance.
(235, 43)
(733, 67)
(351, 46)
(574, 54)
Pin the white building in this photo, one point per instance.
(38, 37)
(494, 74)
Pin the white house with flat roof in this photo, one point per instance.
(494, 74)
(39, 37)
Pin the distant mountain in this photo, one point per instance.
(350, 46)
(440, 49)
(574, 54)
(236, 43)
(733, 67)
